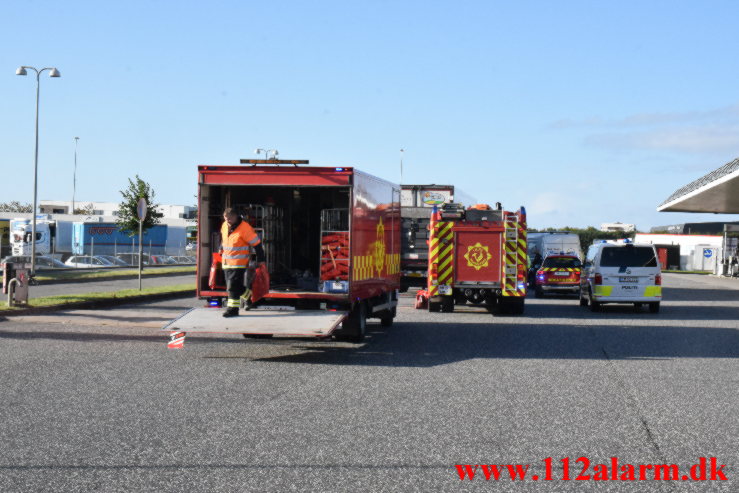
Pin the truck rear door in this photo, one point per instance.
(478, 256)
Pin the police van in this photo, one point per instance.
(621, 273)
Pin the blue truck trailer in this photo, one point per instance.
(107, 239)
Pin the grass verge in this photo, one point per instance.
(112, 274)
(80, 275)
(124, 294)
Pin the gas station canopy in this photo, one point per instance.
(718, 192)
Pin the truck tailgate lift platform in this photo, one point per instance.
(294, 323)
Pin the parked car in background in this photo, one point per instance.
(87, 262)
(164, 259)
(42, 261)
(133, 259)
(184, 259)
(114, 260)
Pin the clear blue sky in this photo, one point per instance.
(584, 112)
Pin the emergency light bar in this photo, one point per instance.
(294, 162)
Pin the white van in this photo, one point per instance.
(621, 273)
(553, 243)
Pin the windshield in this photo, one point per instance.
(561, 262)
(628, 256)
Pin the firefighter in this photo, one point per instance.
(238, 241)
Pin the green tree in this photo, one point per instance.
(128, 220)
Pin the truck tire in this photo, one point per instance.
(447, 304)
(387, 320)
(354, 327)
(512, 307)
(538, 293)
(654, 307)
(583, 300)
(434, 306)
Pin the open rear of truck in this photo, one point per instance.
(332, 243)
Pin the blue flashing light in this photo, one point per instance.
(339, 169)
(214, 303)
(521, 285)
(627, 240)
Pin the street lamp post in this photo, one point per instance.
(53, 72)
(401, 165)
(74, 176)
(267, 152)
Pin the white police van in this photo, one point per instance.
(621, 273)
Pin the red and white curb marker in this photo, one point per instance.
(176, 340)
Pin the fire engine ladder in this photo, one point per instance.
(511, 244)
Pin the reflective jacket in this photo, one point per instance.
(237, 245)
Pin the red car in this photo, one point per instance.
(558, 274)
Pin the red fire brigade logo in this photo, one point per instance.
(478, 256)
(379, 250)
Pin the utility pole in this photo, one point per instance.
(74, 175)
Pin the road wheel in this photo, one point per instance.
(447, 304)
(517, 307)
(512, 307)
(434, 306)
(387, 320)
(354, 327)
(594, 305)
(538, 293)
(654, 307)
(583, 299)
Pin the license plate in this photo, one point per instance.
(445, 289)
(562, 274)
(413, 256)
(628, 279)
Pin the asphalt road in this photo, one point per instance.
(49, 289)
(93, 400)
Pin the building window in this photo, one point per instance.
(97, 212)
(58, 211)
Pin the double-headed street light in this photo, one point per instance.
(267, 152)
(53, 72)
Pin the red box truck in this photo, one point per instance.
(331, 237)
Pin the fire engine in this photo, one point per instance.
(477, 256)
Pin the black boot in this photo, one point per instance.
(231, 312)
